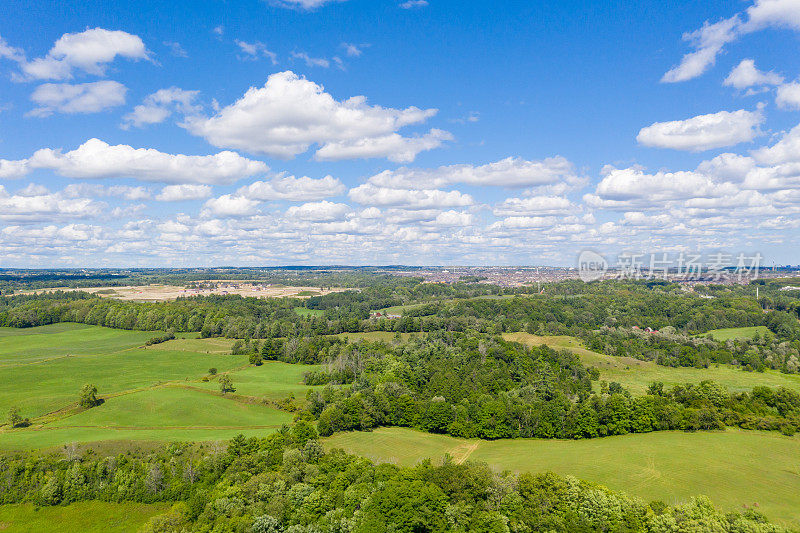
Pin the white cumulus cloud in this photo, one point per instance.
(46, 207)
(13, 169)
(535, 205)
(289, 114)
(788, 96)
(393, 147)
(157, 107)
(293, 189)
(745, 75)
(508, 172)
(178, 193)
(632, 188)
(79, 98)
(369, 194)
(703, 132)
(97, 159)
(229, 205)
(786, 150)
(452, 219)
(709, 41)
(319, 211)
(780, 13)
(89, 51)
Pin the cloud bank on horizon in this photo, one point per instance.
(123, 147)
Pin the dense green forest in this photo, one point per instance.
(287, 483)
(477, 386)
(659, 322)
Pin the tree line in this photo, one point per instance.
(287, 483)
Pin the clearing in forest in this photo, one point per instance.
(733, 467)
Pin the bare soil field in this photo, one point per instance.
(160, 293)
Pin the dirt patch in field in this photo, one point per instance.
(161, 293)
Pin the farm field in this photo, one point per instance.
(272, 380)
(52, 439)
(375, 336)
(148, 393)
(733, 467)
(160, 414)
(303, 311)
(87, 517)
(113, 360)
(173, 407)
(738, 333)
(31, 345)
(161, 293)
(637, 375)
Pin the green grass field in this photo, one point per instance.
(304, 311)
(733, 467)
(375, 336)
(30, 345)
(86, 517)
(637, 375)
(163, 414)
(53, 439)
(272, 380)
(150, 393)
(212, 345)
(110, 359)
(167, 407)
(738, 333)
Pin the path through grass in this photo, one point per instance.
(733, 467)
(48, 368)
(637, 375)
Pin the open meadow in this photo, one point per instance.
(637, 375)
(86, 517)
(739, 333)
(734, 467)
(49, 368)
(376, 336)
(273, 380)
(162, 392)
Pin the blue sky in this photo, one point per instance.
(375, 132)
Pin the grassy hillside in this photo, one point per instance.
(29, 345)
(49, 367)
(738, 333)
(303, 311)
(272, 380)
(35, 439)
(174, 407)
(375, 336)
(87, 517)
(636, 375)
(160, 414)
(733, 467)
(152, 393)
